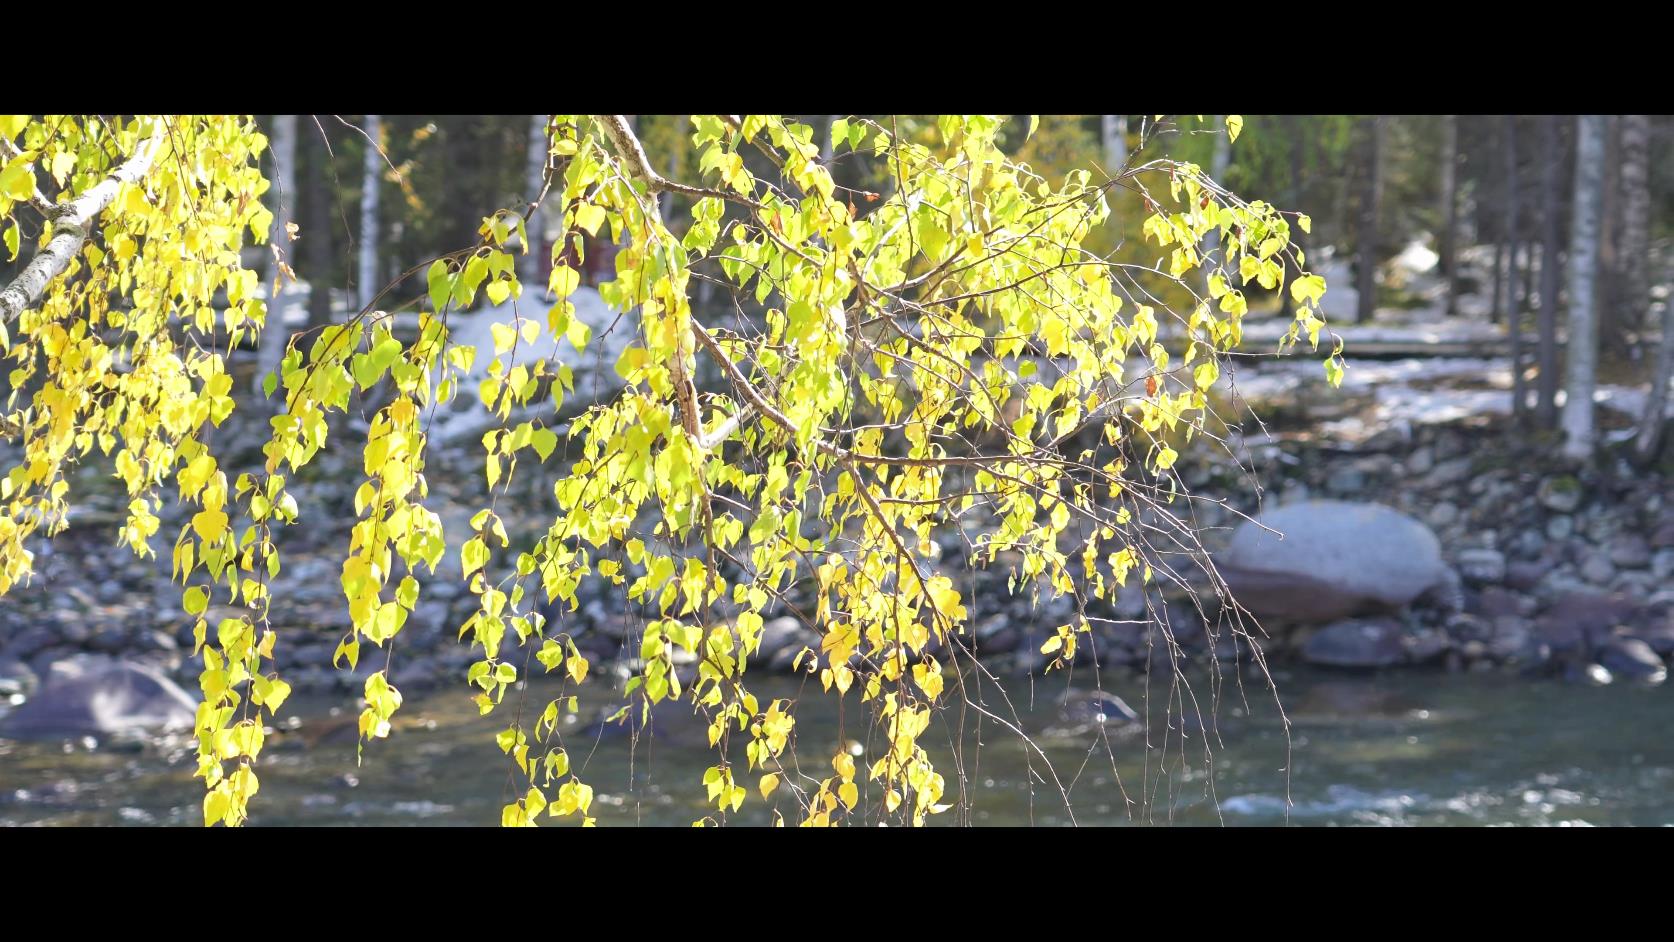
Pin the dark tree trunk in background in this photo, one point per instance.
(282, 200)
(1496, 307)
(1513, 311)
(1653, 424)
(1448, 247)
(1546, 409)
(1632, 294)
(1371, 194)
(1611, 337)
(1500, 286)
(532, 266)
(317, 238)
(1635, 293)
(1293, 130)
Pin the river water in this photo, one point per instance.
(1408, 748)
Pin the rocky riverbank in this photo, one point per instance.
(1561, 573)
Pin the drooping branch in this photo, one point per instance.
(72, 223)
(627, 146)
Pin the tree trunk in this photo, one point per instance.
(1371, 194)
(532, 265)
(1546, 408)
(1581, 375)
(1219, 160)
(1609, 326)
(1498, 304)
(1513, 312)
(1450, 211)
(1653, 423)
(1298, 238)
(317, 240)
(1114, 135)
(282, 199)
(1634, 290)
(371, 178)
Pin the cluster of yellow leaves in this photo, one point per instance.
(920, 357)
(124, 355)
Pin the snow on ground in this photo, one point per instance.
(594, 371)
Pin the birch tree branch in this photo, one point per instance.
(627, 146)
(72, 223)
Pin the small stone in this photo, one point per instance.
(1482, 565)
(1560, 528)
(1356, 644)
(783, 633)
(1634, 660)
(1511, 637)
(1598, 569)
(1601, 528)
(1663, 536)
(1495, 602)
(1094, 708)
(16, 680)
(1443, 514)
(158, 641)
(1591, 675)
(1527, 544)
(1526, 575)
(1448, 473)
(1630, 551)
(1346, 482)
(1560, 494)
(1463, 627)
(1662, 564)
(1660, 638)
(1426, 646)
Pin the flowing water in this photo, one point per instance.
(1409, 748)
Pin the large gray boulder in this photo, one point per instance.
(107, 700)
(1333, 559)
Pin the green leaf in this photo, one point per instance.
(544, 441)
(578, 333)
(439, 284)
(473, 555)
(589, 217)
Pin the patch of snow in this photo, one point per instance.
(594, 370)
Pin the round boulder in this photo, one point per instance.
(118, 699)
(1358, 644)
(1320, 561)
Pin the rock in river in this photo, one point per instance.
(107, 700)
(1331, 559)
(1356, 644)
